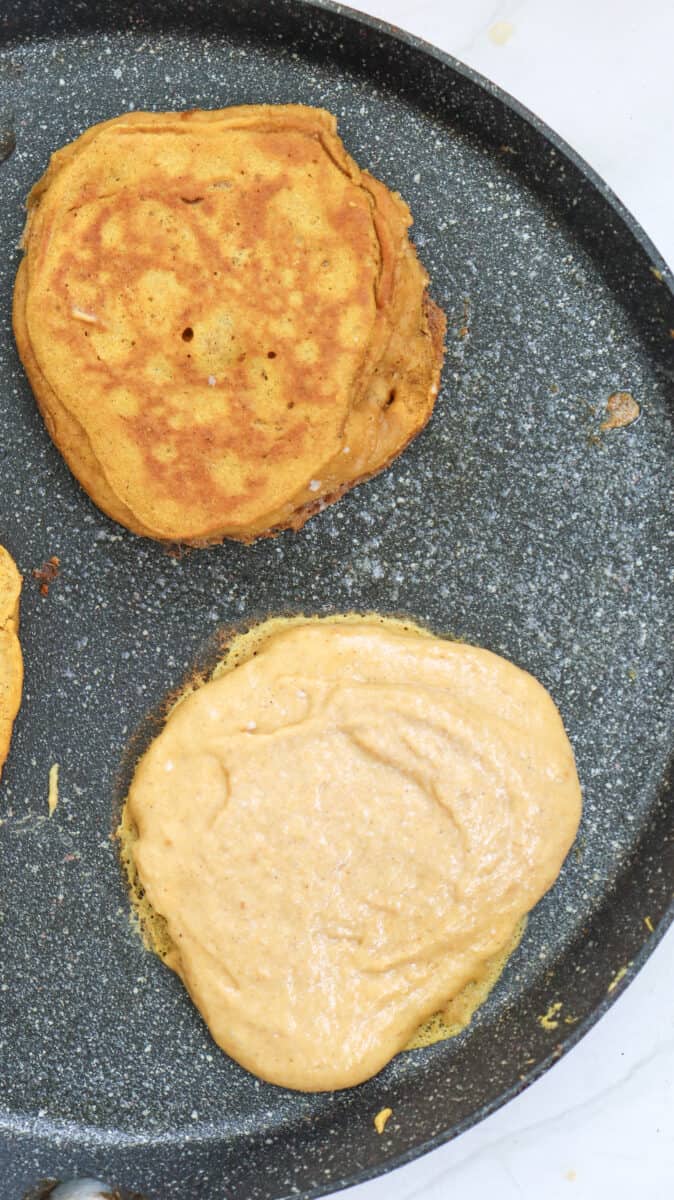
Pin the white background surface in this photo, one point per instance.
(600, 1125)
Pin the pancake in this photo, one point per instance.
(11, 662)
(223, 320)
(340, 834)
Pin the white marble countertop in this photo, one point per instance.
(601, 1123)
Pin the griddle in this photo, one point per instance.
(514, 521)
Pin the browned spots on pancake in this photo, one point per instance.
(188, 475)
(234, 426)
(290, 148)
(352, 222)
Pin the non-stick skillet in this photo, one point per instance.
(515, 521)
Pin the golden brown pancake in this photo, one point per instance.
(223, 320)
(11, 662)
(339, 832)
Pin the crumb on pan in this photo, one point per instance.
(381, 1119)
(622, 410)
(550, 1020)
(53, 798)
(47, 573)
(617, 978)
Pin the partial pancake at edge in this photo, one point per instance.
(11, 661)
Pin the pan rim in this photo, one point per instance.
(47, 1129)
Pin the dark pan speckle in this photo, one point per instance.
(513, 522)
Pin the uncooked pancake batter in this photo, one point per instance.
(339, 829)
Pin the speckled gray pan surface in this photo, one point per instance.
(514, 522)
